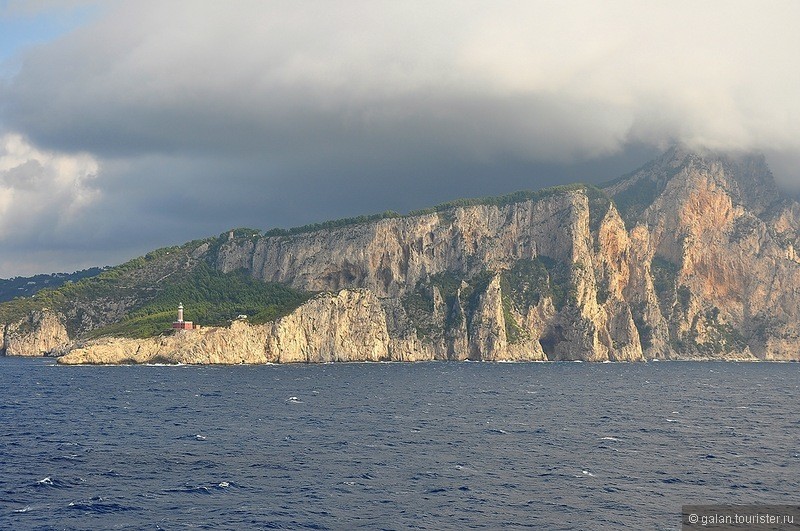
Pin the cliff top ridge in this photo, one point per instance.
(745, 175)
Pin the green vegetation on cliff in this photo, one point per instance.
(139, 298)
(632, 201)
(648, 182)
(527, 282)
(523, 286)
(502, 200)
(134, 283)
(332, 224)
(665, 278)
(211, 298)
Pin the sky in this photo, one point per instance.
(130, 125)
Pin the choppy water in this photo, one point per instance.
(392, 446)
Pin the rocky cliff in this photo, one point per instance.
(41, 333)
(348, 326)
(720, 243)
(510, 280)
(692, 256)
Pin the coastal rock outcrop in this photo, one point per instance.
(347, 326)
(333, 327)
(41, 333)
(238, 343)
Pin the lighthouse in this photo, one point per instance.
(180, 324)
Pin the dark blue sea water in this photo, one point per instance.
(392, 446)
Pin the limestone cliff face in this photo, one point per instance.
(704, 265)
(42, 333)
(348, 326)
(453, 284)
(720, 243)
(693, 256)
(390, 256)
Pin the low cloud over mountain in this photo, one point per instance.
(199, 116)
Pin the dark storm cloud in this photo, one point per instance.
(200, 116)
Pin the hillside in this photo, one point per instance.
(138, 298)
(691, 256)
(11, 288)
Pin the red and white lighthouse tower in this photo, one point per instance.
(180, 324)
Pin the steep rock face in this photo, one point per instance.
(348, 326)
(722, 256)
(488, 334)
(618, 274)
(41, 334)
(704, 266)
(390, 256)
(440, 279)
(696, 257)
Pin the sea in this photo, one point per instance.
(438, 445)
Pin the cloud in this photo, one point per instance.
(31, 8)
(37, 184)
(42, 195)
(536, 79)
(202, 115)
